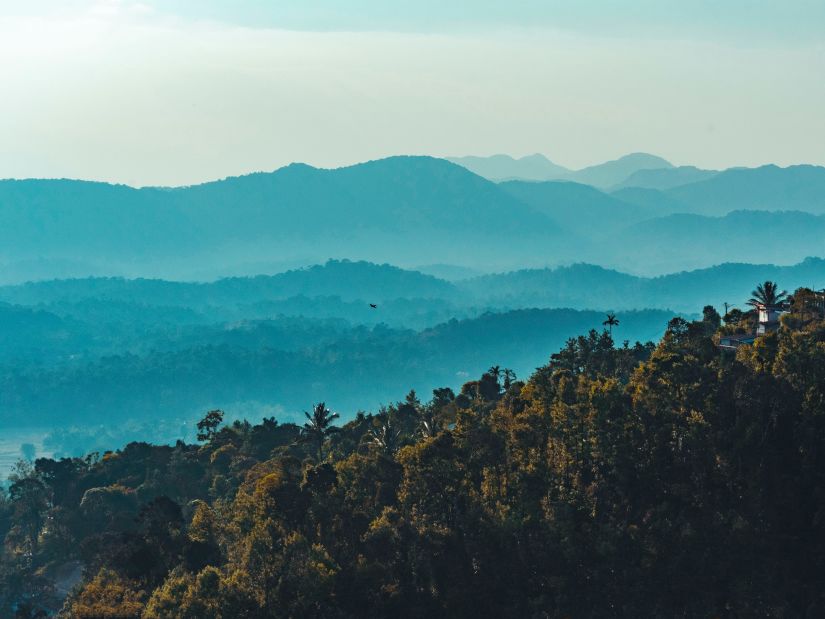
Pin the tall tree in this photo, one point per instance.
(319, 426)
(611, 322)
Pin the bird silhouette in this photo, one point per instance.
(373, 305)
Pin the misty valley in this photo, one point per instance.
(483, 386)
(387, 309)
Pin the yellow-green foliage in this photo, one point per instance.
(108, 596)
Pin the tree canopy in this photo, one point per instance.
(674, 479)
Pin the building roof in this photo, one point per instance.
(739, 337)
(736, 340)
(777, 307)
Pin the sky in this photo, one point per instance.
(175, 92)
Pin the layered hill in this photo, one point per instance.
(687, 241)
(769, 187)
(539, 168)
(342, 278)
(258, 367)
(578, 207)
(584, 285)
(397, 209)
(665, 178)
(344, 289)
(84, 350)
(611, 173)
(410, 211)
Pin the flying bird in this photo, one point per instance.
(373, 305)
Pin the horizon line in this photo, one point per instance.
(449, 159)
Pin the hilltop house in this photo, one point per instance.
(767, 321)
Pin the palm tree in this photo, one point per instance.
(611, 322)
(767, 294)
(509, 377)
(319, 426)
(385, 438)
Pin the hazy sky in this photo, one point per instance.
(180, 91)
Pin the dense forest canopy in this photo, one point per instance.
(674, 479)
(106, 375)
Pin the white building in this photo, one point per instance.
(768, 318)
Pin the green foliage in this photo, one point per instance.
(638, 481)
(102, 386)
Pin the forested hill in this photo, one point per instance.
(272, 365)
(343, 288)
(345, 279)
(674, 480)
(586, 285)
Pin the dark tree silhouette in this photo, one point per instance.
(509, 377)
(611, 322)
(208, 426)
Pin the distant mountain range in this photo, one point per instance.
(665, 178)
(412, 211)
(339, 278)
(539, 168)
(687, 188)
(770, 188)
(404, 209)
(349, 287)
(611, 173)
(682, 241)
(577, 207)
(589, 286)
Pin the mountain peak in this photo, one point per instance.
(644, 159)
(611, 173)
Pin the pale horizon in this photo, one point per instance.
(127, 92)
(356, 163)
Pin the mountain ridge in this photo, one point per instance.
(381, 210)
(579, 286)
(400, 210)
(602, 175)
